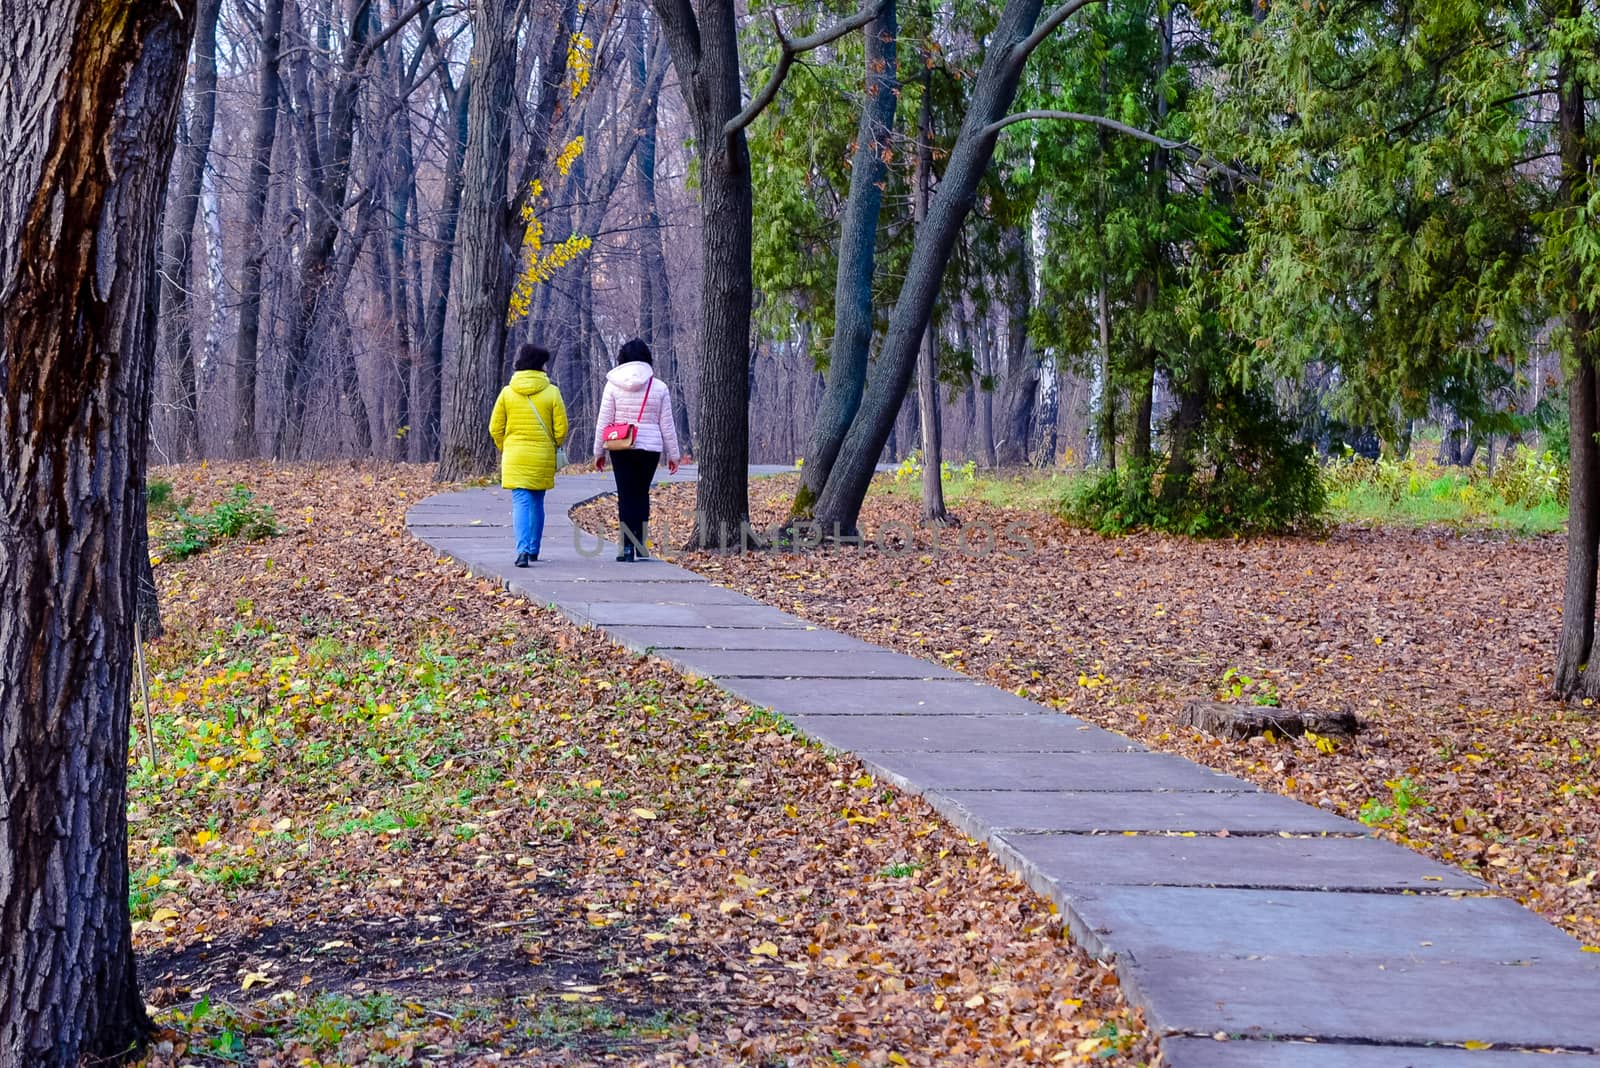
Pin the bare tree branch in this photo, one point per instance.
(1051, 23)
(790, 50)
(1194, 155)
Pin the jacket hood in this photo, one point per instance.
(630, 376)
(530, 382)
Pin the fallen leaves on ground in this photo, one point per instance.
(1441, 641)
(401, 816)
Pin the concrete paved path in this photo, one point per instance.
(1248, 925)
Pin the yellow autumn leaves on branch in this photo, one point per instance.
(539, 265)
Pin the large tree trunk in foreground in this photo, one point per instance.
(247, 349)
(858, 258)
(839, 507)
(89, 113)
(177, 276)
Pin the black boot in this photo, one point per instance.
(626, 555)
(522, 559)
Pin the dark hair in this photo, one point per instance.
(634, 351)
(532, 358)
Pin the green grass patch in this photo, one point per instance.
(237, 516)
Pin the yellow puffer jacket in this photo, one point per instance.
(528, 450)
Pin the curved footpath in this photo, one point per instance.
(1246, 924)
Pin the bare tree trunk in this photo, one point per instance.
(1576, 673)
(839, 506)
(255, 209)
(1019, 394)
(490, 239)
(487, 260)
(1107, 416)
(705, 51)
(177, 276)
(933, 508)
(1180, 469)
(429, 371)
(89, 112)
(656, 320)
(858, 257)
(329, 186)
(984, 398)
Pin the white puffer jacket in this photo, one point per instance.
(624, 401)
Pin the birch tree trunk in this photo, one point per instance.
(89, 107)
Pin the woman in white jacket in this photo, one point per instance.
(634, 395)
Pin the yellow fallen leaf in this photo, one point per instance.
(729, 905)
(1475, 1044)
(255, 979)
(643, 814)
(283, 825)
(765, 949)
(655, 936)
(165, 916)
(895, 1058)
(974, 1001)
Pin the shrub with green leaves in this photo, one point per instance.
(1250, 477)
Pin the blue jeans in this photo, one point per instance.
(527, 518)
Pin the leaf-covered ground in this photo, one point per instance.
(400, 817)
(1440, 641)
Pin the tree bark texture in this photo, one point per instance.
(705, 52)
(89, 106)
(656, 324)
(839, 506)
(858, 257)
(329, 182)
(247, 348)
(1019, 394)
(177, 274)
(485, 259)
(428, 377)
(933, 507)
(1576, 673)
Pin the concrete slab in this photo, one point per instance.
(1056, 772)
(1152, 922)
(869, 664)
(1209, 1053)
(855, 697)
(963, 734)
(548, 589)
(1260, 862)
(1379, 1002)
(742, 638)
(994, 810)
(607, 613)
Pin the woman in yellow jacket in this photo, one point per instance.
(528, 426)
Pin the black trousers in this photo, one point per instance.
(634, 469)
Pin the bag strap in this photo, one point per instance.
(644, 403)
(542, 423)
